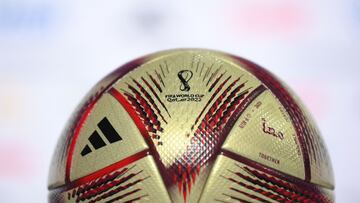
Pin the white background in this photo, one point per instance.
(52, 52)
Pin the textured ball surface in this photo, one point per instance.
(190, 125)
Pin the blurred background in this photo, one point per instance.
(53, 52)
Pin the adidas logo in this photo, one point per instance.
(97, 141)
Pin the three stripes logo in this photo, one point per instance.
(97, 141)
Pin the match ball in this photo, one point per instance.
(191, 125)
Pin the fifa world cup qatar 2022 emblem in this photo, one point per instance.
(184, 77)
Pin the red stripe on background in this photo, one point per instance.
(107, 170)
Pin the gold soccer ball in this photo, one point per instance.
(191, 125)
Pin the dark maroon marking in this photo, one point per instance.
(255, 189)
(259, 166)
(210, 100)
(156, 96)
(119, 189)
(152, 102)
(236, 198)
(202, 67)
(306, 132)
(254, 197)
(285, 184)
(167, 67)
(227, 112)
(160, 78)
(215, 110)
(232, 96)
(285, 191)
(155, 82)
(239, 110)
(95, 191)
(197, 66)
(136, 198)
(208, 71)
(96, 186)
(98, 182)
(297, 192)
(147, 110)
(216, 81)
(139, 122)
(213, 75)
(162, 71)
(121, 196)
(101, 176)
(152, 125)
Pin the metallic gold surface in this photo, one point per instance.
(58, 163)
(178, 131)
(180, 113)
(191, 125)
(131, 143)
(264, 133)
(140, 181)
(233, 181)
(321, 168)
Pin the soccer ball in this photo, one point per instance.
(191, 125)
